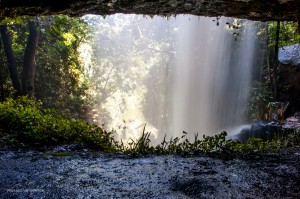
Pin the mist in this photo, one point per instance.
(169, 75)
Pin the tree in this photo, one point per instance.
(11, 60)
(279, 34)
(272, 88)
(42, 55)
(60, 80)
(276, 62)
(1, 74)
(29, 58)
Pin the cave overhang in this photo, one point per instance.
(260, 10)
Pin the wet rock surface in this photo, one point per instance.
(290, 55)
(250, 9)
(35, 174)
(293, 122)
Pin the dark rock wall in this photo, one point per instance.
(251, 9)
(290, 86)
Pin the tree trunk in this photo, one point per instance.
(29, 57)
(1, 71)
(268, 57)
(11, 60)
(276, 62)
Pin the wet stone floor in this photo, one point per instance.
(34, 174)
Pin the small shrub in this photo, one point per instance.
(28, 124)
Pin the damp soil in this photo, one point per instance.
(52, 174)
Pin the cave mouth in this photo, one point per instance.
(275, 10)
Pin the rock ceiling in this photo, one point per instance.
(262, 10)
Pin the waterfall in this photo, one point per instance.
(211, 76)
(186, 73)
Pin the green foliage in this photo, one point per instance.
(24, 123)
(261, 105)
(288, 138)
(289, 33)
(258, 102)
(217, 146)
(27, 124)
(61, 154)
(263, 92)
(59, 79)
(20, 20)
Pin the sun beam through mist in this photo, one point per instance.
(179, 74)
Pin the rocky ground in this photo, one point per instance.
(33, 174)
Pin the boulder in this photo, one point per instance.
(266, 131)
(289, 79)
(290, 55)
(292, 122)
(262, 130)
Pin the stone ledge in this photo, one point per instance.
(262, 10)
